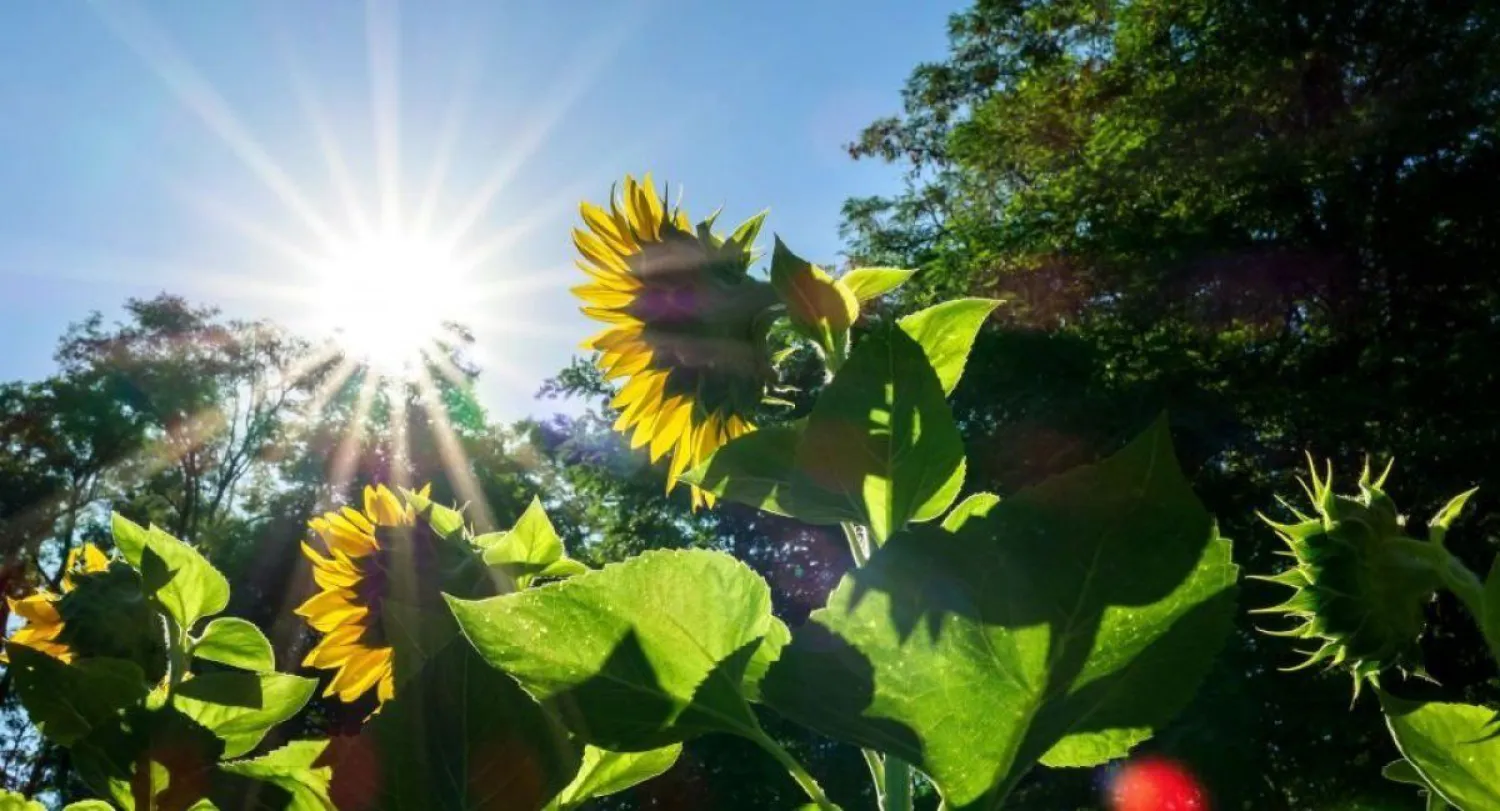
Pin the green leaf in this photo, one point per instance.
(975, 506)
(294, 769)
(82, 805)
(871, 283)
(241, 708)
(1437, 528)
(639, 654)
(460, 735)
(882, 437)
(819, 306)
(531, 549)
(68, 701)
(184, 582)
(152, 759)
(604, 772)
(1073, 618)
(445, 521)
(11, 801)
(1401, 771)
(235, 642)
(946, 333)
(759, 469)
(1452, 746)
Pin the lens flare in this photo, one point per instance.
(1154, 783)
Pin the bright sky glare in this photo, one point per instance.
(291, 160)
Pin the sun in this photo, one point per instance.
(386, 299)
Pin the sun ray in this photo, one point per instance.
(134, 27)
(455, 463)
(400, 450)
(539, 124)
(341, 466)
(454, 117)
(333, 155)
(383, 47)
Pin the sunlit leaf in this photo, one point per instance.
(294, 768)
(759, 469)
(235, 642)
(1401, 771)
(604, 773)
(445, 521)
(1073, 618)
(946, 333)
(241, 708)
(639, 654)
(1452, 746)
(183, 581)
(531, 549)
(881, 435)
(870, 283)
(11, 801)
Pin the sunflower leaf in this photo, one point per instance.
(183, 581)
(460, 735)
(528, 549)
(11, 801)
(293, 768)
(445, 521)
(946, 333)
(67, 701)
(1069, 621)
(1452, 746)
(759, 469)
(881, 435)
(637, 655)
(872, 283)
(235, 642)
(604, 772)
(240, 708)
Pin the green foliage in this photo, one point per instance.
(872, 283)
(637, 655)
(1452, 747)
(176, 575)
(604, 772)
(67, 702)
(241, 708)
(946, 333)
(293, 768)
(235, 642)
(531, 549)
(1066, 624)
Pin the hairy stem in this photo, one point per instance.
(897, 784)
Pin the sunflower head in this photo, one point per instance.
(1359, 592)
(685, 324)
(102, 611)
(378, 560)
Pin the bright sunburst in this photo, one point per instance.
(386, 298)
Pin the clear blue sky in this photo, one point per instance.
(184, 146)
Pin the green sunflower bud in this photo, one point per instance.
(1361, 584)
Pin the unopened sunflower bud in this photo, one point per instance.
(821, 307)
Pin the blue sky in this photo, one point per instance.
(201, 147)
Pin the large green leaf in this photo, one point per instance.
(154, 759)
(67, 702)
(604, 773)
(1401, 771)
(1453, 746)
(295, 769)
(184, 582)
(460, 735)
(639, 654)
(236, 642)
(760, 469)
(1069, 620)
(241, 708)
(946, 333)
(882, 436)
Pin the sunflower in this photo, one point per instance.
(44, 624)
(685, 323)
(352, 586)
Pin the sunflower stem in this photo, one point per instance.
(808, 783)
(1455, 576)
(859, 542)
(897, 784)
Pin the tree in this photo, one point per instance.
(1266, 217)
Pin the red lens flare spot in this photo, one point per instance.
(1156, 784)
